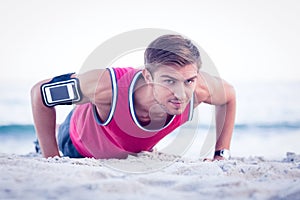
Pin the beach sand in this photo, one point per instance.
(148, 176)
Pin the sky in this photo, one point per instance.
(246, 40)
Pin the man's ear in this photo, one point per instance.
(147, 76)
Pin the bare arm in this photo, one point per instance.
(44, 121)
(215, 91)
(45, 117)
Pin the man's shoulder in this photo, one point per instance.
(126, 74)
(121, 71)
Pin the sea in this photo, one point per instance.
(267, 119)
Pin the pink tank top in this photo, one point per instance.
(121, 134)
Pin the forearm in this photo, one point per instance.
(45, 123)
(225, 116)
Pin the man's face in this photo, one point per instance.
(173, 87)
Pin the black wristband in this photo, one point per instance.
(225, 153)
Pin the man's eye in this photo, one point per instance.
(169, 81)
(189, 82)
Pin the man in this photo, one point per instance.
(122, 111)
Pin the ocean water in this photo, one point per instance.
(267, 120)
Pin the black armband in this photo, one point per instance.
(61, 90)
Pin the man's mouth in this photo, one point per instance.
(176, 103)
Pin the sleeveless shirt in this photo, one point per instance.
(121, 133)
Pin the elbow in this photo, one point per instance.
(230, 93)
(36, 95)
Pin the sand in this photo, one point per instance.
(148, 176)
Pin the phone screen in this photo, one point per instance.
(59, 93)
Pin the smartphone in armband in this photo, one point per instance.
(61, 90)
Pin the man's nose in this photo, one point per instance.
(179, 92)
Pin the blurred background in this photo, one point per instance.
(253, 44)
